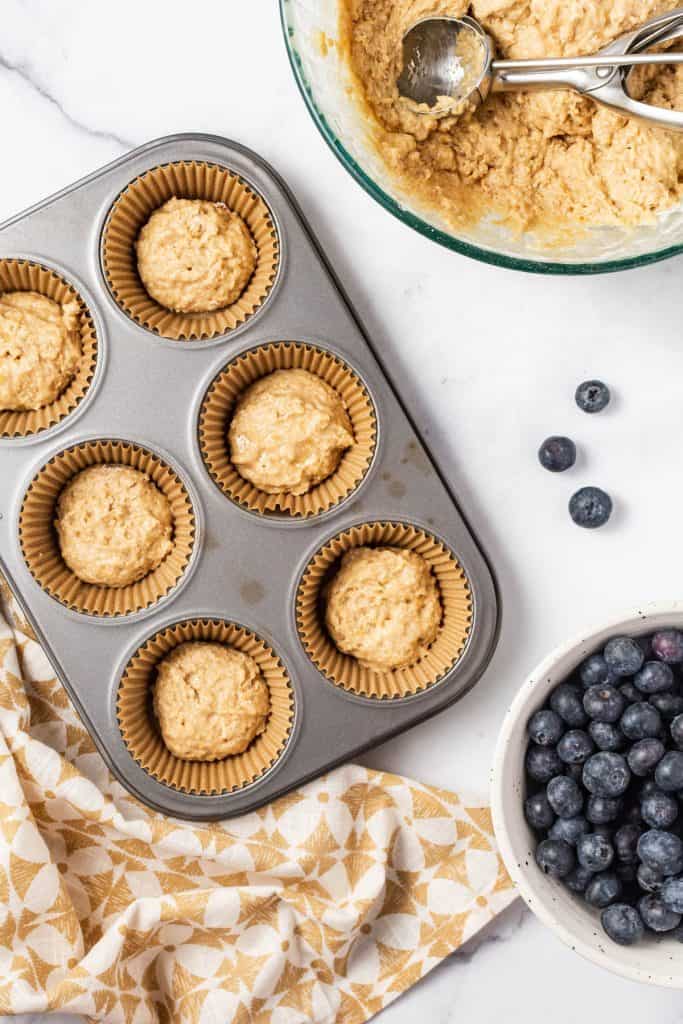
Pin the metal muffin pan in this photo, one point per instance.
(245, 567)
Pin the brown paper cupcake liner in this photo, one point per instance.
(346, 671)
(218, 406)
(140, 729)
(133, 208)
(40, 544)
(25, 276)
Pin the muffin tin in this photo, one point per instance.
(249, 570)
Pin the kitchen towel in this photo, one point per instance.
(321, 907)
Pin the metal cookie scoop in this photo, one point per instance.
(448, 66)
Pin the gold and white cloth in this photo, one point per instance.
(322, 907)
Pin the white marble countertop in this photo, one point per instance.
(489, 359)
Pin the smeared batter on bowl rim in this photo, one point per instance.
(541, 162)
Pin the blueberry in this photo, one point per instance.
(566, 701)
(630, 693)
(677, 730)
(623, 924)
(602, 809)
(577, 880)
(605, 736)
(538, 811)
(669, 772)
(623, 655)
(649, 879)
(659, 810)
(606, 774)
(545, 727)
(640, 721)
(575, 747)
(654, 677)
(594, 852)
(603, 703)
(656, 915)
(603, 889)
(644, 755)
(590, 507)
(592, 396)
(569, 829)
(671, 893)
(662, 851)
(667, 645)
(594, 671)
(557, 454)
(564, 796)
(626, 843)
(555, 857)
(669, 705)
(542, 763)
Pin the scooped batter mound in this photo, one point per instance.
(211, 701)
(195, 256)
(289, 432)
(538, 161)
(114, 525)
(40, 348)
(383, 607)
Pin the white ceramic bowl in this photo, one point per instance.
(656, 960)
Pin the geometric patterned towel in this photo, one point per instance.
(322, 907)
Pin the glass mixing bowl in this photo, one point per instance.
(311, 29)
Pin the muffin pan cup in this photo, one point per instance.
(246, 567)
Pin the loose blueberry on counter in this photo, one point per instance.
(662, 851)
(590, 507)
(676, 730)
(538, 811)
(603, 889)
(649, 879)
(606, 774)
(641, 720)
(667, 645)
(569, 829)
(623, 924)
(605, 736)
(542, 763)
(624, 656)
(656, 915)
(555, 857)
(594, 671)
(545, 727)
(671, 893)
(644, 755)
(566, 701)
(604, 703)
(669, 772)
(594, 852)
(557, 454)
(654, 677)
(575, 747)
(659, 810)
(564, 796)
(592, 396)
(600, 810)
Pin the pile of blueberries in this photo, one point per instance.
(604, 770)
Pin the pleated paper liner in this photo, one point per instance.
(40, 544)
(132, 210)
(25, 276)
(217, 410)
(140, 729)
(346, 671)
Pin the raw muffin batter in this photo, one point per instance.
(40, 348)
(383, 607)
(210, 700)
(114, 525)
(289, 432)
(195, 256)
(539, 161)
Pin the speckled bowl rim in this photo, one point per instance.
(653, 961)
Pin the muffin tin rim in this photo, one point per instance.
(280, 519)
(185, 478)
(102, 350)
(283, 254)
(409, 698)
